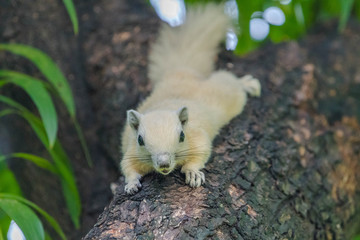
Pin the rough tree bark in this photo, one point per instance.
(286, 168)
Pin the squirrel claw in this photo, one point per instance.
(194, 178)
(133, 187)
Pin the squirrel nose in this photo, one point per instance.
(164, 165)
(163, 160)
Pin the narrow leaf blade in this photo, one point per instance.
(83, 142)
(68, 183)
(6, 112)
(38, 161)
(48, 218)
(73, 202)
(34, 122)
(61, 161)
(24, 217)
(1, 235)
(50, 70)
(38, 93)
(62, 164)
(72, 14)
(346, 7)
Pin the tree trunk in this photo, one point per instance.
(286, 168)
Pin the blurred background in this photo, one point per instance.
(100, 48)
(258, 21)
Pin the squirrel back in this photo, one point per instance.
(190, 102)
(191, 47)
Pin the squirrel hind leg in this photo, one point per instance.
(251, 85)
(248, 83)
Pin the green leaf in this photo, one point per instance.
(38, 161)
(246, 9)
(72, 13)
(4, 224)
(357, 237)
(12, 103)
(61, 161)
(330, 8)
(8, 181)
(357, 14)
(73, 202)
(47, 217)
(68, 183)
(38, 93)
(8, 184)
(346, 6)
(32, 120)
(55, 77)
(2, 83)
(295, 23)
(83, 142)
(1, 235)
(47, 236)
(50, 70)
(6, 112)
(24, 217)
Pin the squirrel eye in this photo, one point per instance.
(182, 136)
(141, 141)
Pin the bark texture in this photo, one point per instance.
(286, 168)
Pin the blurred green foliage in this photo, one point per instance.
(22, 212)
(45, 127)
(300, 15)
(8, 185)
(12, 205)
(70, 8)
(60, 164)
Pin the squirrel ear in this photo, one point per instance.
(183, 115)
(133, 118)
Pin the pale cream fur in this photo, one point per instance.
(185, 89)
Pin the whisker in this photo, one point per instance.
(191, 155)
(190, 149)
(187, 156)
(188, 152)
(143, 159)
(138, 155)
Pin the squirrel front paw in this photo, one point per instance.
(194, 178)
(251, 85)
(132, 187)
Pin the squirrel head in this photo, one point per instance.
(159, 135)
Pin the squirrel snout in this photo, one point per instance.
(163, 160)
(163, 163)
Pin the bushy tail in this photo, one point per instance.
(192, 46)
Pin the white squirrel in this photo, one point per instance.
(190, 102)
